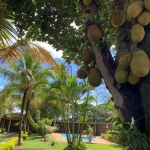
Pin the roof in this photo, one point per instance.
(14, 116)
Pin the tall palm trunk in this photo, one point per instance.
(25, 119)
(21, 121)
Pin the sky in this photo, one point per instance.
(100, 92)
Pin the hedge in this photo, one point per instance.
(10, 144)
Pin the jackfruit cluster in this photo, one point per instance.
(139, 10)
(92, 73)
(86, 57)
(132, 67)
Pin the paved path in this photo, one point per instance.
(97, 139)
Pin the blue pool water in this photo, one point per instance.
(83, 138)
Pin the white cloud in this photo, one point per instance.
(53, 52)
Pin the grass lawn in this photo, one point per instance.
(34, 142)
(7, 136)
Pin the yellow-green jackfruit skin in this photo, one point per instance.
(94, 33)
(140, 64)
(94, 77)
(86, 56)
(135, 8)
(137, 33)
(125, 60)
(117, 18)
(87, 2)
(147, 4)
(144, 18)
(133, 79)
(83, 72)
(121, 75)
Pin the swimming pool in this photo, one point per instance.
(83, 138)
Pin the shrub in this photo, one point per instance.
(88, 129)
(2, 130)
(110, 137)
(75, 146)
(10, 144)
(24, 135)
(51, 129)
(131, 138)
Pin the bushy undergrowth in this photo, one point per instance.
(110, 137)
(10, 144)
(2, 130)
(75, 146)
(129, 137)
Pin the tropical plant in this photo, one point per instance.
(70, 93)
(25, 76)
(131, 138)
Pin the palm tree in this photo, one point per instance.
(25, 76)
(69, 93)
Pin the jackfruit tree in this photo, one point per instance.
(99, 25)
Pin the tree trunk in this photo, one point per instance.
(21, 121)
(64, 121)
(145, 82)
(9, 125)
(25, 119)
(127, 98)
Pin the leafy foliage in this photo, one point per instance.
(131, 138)
(42, 20)
(10, 144)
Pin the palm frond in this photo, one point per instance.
(41, 54)
(14, 52)
(8, 34)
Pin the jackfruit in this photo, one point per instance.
(125, 60)
(144, 18)
(94, 77)
(117, 18)
(86, 56)
(119, 55)
(135, 8)
(140, 64)
(137, 33)
(147, 4)
(94, 33)
(87, 2)
(83, 71)
(121, 75)
(133, 79)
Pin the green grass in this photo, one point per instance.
(103, 147)
(7, 136)
(34, 142)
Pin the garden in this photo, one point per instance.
(66, 67)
